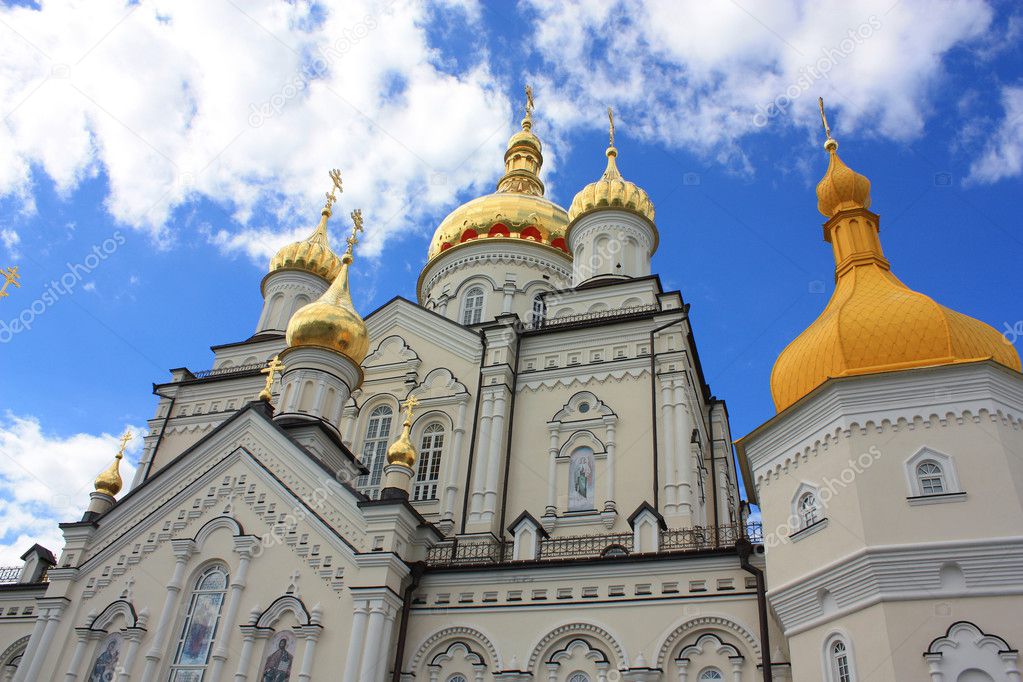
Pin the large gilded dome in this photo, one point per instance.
(873, 322)
(517, 210)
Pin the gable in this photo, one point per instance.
(403, 318)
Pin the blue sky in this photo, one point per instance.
(162, 159)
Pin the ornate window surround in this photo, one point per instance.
(952, 492)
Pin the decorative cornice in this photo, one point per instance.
(528, 253)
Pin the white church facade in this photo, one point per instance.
(524, 475)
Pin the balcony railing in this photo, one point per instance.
(225, 371)
(9, 574)
(672, 541)
(610, 314)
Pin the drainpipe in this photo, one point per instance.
(744, 549)
(418, 569)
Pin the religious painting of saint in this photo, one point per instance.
(580, 480)
(104, 669)
(201, 629)
(280, 655)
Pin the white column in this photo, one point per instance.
(356, 643)
(134, 637)
(244, 547)
(183, 550)
(668, 456)
(348, 425)
(245, 657)
(374, 633)
(317, 407)
(684, 461)
(30, 648)
(85, 637)
(737, 670)
(311, 634)
(52, 616)
(509, 295)
(552, 473)
(454, 462)
(494, 467)
(443, 304)
(1010, 658)
(384, 658)
(482, 457)
(683, 670)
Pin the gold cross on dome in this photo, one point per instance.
(11, 276)
(824, 118)
(353, 239)
(128, 435)
(271, 369)
(611, 126)
(335, 177)
(409, 405)
(529, 102)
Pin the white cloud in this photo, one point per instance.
(247, 104)
(1003, 153)
(10, 239)
(701, 76)
(46, 479)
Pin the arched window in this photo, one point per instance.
(458, 677)
(808, 511)
(710, 674)
(192, 653)
(428, 471)
(578, 677)
(581, 476)
(539, 311)
(931, 478)
(840, 669)
(374, 450)
(472, 306)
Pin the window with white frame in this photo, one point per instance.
(578, 677)
(457, 677)
(931, 478)
(428, 472)
(809, 511)
(192, 654)
(472, 305)
(710, 674)
(374, 450)
(838, 659)
(539, 310)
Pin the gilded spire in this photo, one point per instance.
(109, 482)
(873, 323)
(331, 321)
(611, 190)
(313, 254)
(402, 451)
(523, 159)
(841, 188)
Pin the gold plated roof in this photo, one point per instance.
(109, 481)
(517, 210)
(612, 190)
(331, 321)
(402, 451)
(873, 322)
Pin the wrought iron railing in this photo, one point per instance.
(672, 541)
(9, 574)
(224, 371)
(611, 313)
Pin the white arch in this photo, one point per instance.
(720, 623)
(286, 604)
(214, 525)
(567, 630)
(443, 639)
(122, 608)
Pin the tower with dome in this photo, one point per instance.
(524, 475)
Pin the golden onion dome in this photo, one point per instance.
(612, 191)
(402, 451)
(109, 481)
(331, 321)
(517, 210)
(873, 322)
(312, 254)
(841, 188)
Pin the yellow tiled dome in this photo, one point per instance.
(312, 254)
(873, 322)
(612, 191)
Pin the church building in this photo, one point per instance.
(523, 475)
